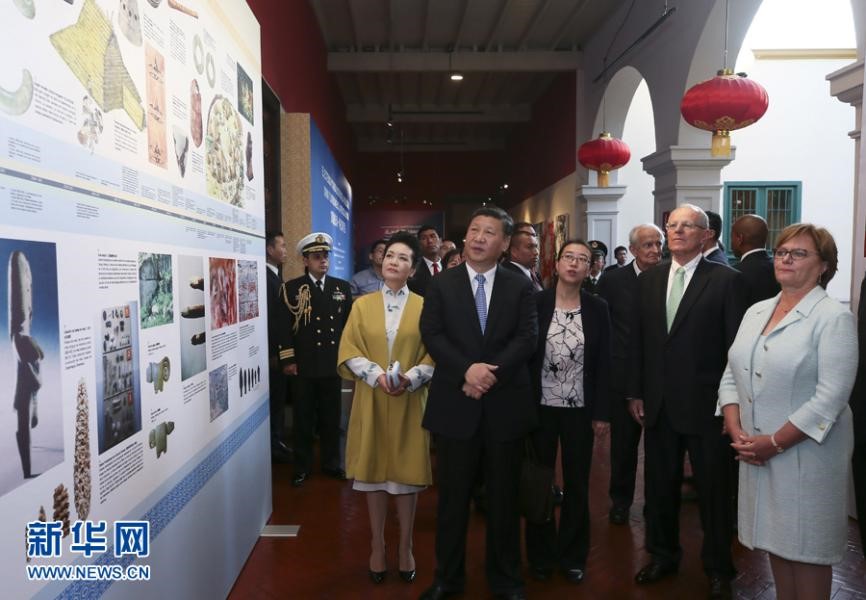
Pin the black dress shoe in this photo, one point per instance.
(720, 587)
(299, 479)
(436, 592)
(540, 573)
(335, 473)
(515, 595)
(574, 575)
(655, 571)
(619, 515)
(280, 456)
(377, 576)
(407, 576)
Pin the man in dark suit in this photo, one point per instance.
(620, 253)
(713, 249)
(858, 408)
(689, 313)
(619, 288)
(431, 263)
(319, 307)
(596, 266)
(480, 325)
(748, 242)
(523, 257)
(278, 352)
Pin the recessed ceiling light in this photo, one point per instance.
(456, 76)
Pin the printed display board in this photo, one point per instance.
(133, 334)
(331, 202)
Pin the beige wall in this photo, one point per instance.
(295, 210)
(555, 200)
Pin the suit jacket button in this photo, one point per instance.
(750, 400)
(332, 330)
(332, 342)
(822, 427)
(758, 375)
(332, 317)
(318, 318)
(318, 331)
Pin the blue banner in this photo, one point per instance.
(331, 203)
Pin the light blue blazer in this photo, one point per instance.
(803, 371)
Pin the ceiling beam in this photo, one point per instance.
(533, 23)
(428, 145)
(498, 25)
(567, 24)
(401, 113)
(468, 62)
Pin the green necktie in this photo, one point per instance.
(676, 294)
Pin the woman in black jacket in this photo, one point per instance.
(570, 383)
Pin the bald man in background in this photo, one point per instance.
(748, 242)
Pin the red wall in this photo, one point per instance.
(294, 63)
(431, 176)
(543, 151)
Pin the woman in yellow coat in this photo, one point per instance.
(387, 451)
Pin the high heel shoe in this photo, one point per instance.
(379, 576)
(408, 576)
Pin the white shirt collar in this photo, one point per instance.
(711, 250)
(637, 270)
(386, 291)
(313, 279)
(522, 268)
(745, 254)
(272, 268)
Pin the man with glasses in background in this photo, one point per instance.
(688, 316)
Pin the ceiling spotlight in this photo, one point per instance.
(399, 176)
(455, 76)
(504, 186)
(389, 123)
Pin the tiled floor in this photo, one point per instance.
(329, 558)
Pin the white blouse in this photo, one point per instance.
(367, 370)
(562, 371)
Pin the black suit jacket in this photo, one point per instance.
(507, 264)
(452, 334)
(418, 283)
(681, 370)
(278, 322)
(858, 394)
(759, 276)
(718, 255)
(314, 334)
(619, 289)
(596, 350)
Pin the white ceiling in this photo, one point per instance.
(394, 57)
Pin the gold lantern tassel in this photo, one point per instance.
(721, 144)
(603, 179)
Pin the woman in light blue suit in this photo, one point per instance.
(784, 396)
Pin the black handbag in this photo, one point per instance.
(536, 487)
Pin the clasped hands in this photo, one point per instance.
(478, 379)
(382, 380)
(752, 449)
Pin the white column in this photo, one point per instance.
(601, 207)
(686, 175)
(846, 85)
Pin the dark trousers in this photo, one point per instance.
(570, 428)
(316, 406)
(457, 466)
(710, 457)
(277, 402)
(625, 435)
(858, 464)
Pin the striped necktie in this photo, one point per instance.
(481, 301)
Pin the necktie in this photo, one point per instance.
(534, 276)
(481, 301)
(435, 268)
(676, 294)
(320, 285)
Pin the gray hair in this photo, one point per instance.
(703, 219)
(635, 231)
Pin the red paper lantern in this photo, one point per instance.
(722, 104)
(603, 154)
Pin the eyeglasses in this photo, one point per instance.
(574, 258)
(687, 225)
(794, 253)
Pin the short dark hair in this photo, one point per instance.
(271, 237)
(448, 255)
(618, 248)
(376, 243)
(715, 221)
(404, 237)
(427, 227)
(496, 213)
(824, 244)
(523, 225)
